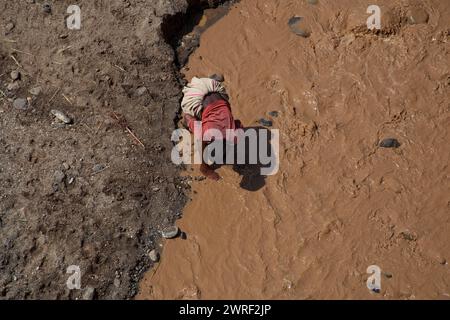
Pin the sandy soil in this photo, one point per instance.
(340, 203)
(86, 194)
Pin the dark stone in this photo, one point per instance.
(390, 143)
(47, 8)
(265, 122)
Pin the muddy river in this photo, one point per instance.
(339, 202)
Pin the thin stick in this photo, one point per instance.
(63, 49)
(9, 40)
(15, 60)
(135, 138)
(15, 50)
(68, 100)
(54, 95)
(123, 123)
(107, 167)
(121, 69)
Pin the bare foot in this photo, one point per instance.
(209, 173)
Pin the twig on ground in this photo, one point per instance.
(63, 49)
(123, 123)
(54, 95)
(68, 100)
(120, 68)
(15, 60)
(15, 50)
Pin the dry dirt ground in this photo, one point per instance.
(86, 193)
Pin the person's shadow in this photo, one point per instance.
(250, 159)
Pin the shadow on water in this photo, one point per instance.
(250, 171)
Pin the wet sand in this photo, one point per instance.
(339, 202)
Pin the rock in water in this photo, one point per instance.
(170, 232)
(265, 122)
(154, 255)
(61, 116)
(390, 143)
(294, 23)
(20, 104)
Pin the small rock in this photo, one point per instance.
(265, 122)
(294, 23)
(273, 114)
(98, 168)
(58, 176)
(170, 232)
(116, 282)
(61, 116)
(20, 104)
(15, 75)
(9, 27)
(13, 86)
(407, 235)
(313, 1)
(154, 255)
(141, 90)
(155, 189)
(35, 91)
(47, 8)
(390, 143)
(89, 293)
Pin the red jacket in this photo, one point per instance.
(216, 115)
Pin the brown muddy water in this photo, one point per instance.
(339, 203)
